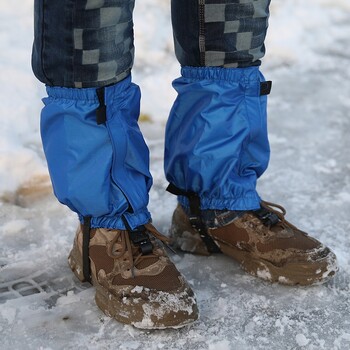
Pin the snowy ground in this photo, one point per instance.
(42, 306)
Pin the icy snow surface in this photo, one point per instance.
(42, 306)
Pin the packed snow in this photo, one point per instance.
(43, 306)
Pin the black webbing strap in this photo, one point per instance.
(195, 217)
(139, 237)
(101, 116)
(86, 242)
(265, 87)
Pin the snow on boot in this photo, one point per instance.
(136, 283)
(264, 243)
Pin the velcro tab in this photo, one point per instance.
(265, 87)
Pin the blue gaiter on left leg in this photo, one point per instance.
(216, 136)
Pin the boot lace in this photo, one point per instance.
(279, 211)
(122, 243)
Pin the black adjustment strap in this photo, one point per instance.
(265, 87)
(140, 238)
(86, 242)
(267, 217)
(195, 217)
(101, 115)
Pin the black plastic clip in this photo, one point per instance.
(267, 217)
(140, 238)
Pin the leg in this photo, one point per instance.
(217, 147)
(221, 110)
(81, 46)
(99, 162)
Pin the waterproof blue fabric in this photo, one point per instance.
(216, 136)
(98, 170)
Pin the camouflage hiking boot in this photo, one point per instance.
(264, 243)
(135, 281)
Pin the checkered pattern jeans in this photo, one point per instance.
(89, 43)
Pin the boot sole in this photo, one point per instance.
(135, 311)
(122, 312)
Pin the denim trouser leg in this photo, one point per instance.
(82, 43)
(220, 33)
(216, 136)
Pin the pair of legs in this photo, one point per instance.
(216, 139)
(216, 147)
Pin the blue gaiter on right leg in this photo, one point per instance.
(101, 170)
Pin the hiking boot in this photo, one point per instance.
(264, 243)
(135, 281)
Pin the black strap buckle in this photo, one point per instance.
(195, 217)
(195, 222)
(267, 217)
(140, 238)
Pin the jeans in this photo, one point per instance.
(89, 43)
